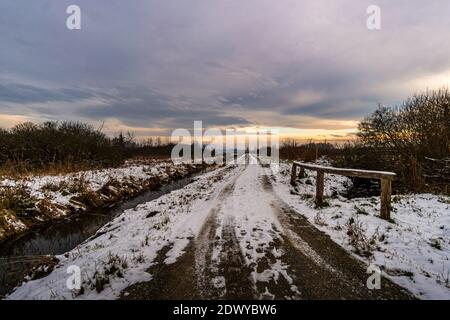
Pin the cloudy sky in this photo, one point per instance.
(309, 67)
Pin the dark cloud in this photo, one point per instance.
(25, 94)
(143, 107)
(165, 63)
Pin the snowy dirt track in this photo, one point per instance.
(225, 236)
(253, 246)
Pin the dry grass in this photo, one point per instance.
(17, 200)
(114, 267)
(363, 246)
(21, 169)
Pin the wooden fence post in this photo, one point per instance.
(302, 173)
(386, 189)
(319, 187)
(293, 173)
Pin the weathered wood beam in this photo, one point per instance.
(386, 190)
(302, 173)
(370, 174)
(293, 173)
(319, 188)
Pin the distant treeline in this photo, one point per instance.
(291, 149)
(412, 139)
(31, 146)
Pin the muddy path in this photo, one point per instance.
(212, 266)
(254, 246)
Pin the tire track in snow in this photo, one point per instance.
(221, 271)
(233, 269)
(260, 237)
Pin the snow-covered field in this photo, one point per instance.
(414, 250)
(42, 198)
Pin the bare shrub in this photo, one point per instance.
(114, 267)
(363, 245)
(403, 139)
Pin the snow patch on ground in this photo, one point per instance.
(121, 252)
(51, 197)
(41, 186)
(414, 250)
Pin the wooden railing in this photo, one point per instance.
(385, 177)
